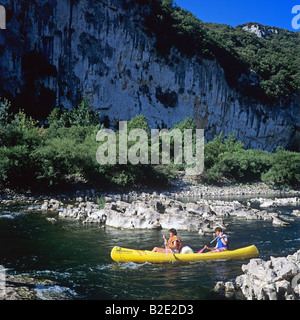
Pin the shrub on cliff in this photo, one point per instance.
(79, 116)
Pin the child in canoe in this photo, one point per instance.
(222, 241)
(173, 245)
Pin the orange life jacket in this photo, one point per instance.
(171, 242)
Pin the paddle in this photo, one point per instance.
(209, 243)
(166, 246)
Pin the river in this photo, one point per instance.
(77, 257)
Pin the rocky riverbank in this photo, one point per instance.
(162, 212)
(275, 279)
(189, 207)
(24, 287)
(179, 188)
(187, 188)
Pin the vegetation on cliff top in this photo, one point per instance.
(274, 59)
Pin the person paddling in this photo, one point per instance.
(222, 241)
(173, 245)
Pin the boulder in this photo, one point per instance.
(199, 209)
(284, 289)
(120, 220)
(96, 217)
(285, 269)
(296, 213)
(271, 280)
(51, 205)
(277, 222)
(219, 287)
(268, 204)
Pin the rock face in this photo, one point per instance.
(55, 52)
(260, 31)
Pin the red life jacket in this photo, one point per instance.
(171, 242)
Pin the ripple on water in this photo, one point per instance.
(54, 293)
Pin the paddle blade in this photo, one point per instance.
(201, 250)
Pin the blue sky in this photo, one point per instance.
(267, 12)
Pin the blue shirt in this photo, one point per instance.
(220, 244)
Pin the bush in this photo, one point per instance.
(212, 150)
(285, 169)
(19, 135)
(71, 152)
(33, 156)
(240, 166)
(142, 174)
(21, 130)
(15, 166)
(68, 147)
(139, 122)
(218, 146)
(80, 116)
(54, 160)
(4, 114)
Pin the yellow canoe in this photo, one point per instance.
(141, 256)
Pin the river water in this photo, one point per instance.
(77, 256)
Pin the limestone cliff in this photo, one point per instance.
(55, 52)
